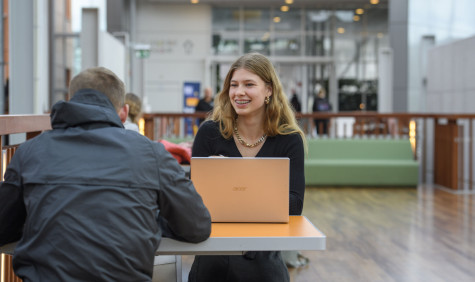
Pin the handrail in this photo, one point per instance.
(437, 139)
(332, 114)
(32, 125)
(12, 124)
(167, 124)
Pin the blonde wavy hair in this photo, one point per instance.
(279, 115)
(135, 107)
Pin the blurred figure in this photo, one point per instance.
(321, 104)
(295, 102)
(135, 111)
(205, 104)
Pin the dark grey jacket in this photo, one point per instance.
(84, 198)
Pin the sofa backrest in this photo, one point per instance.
(375, 149)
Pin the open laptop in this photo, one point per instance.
(243, 189)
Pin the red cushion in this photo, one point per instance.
(181, 153)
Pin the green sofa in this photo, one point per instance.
(360, 162)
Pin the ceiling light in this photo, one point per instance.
(284, 8)
(277, 19)
(356, 18)
(340, 30)
(374, 2)
(194, 1)
(288, 2)
(359, 11)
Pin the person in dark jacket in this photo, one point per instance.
(295, 102)
(252, 118)
(321, 104)
(90, 200)
(205, 104)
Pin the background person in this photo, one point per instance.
(135, 112)
(89, 200)
(252, 118)
(295, 102)
(321, 104)
(205, 104)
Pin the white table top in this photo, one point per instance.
(237, 238)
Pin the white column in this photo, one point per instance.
(89, 38)
(41, 57)
(385, 80)
(21, 61)
(398, 37)
(304, 89)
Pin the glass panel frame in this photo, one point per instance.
(226, 19)
(256, 19)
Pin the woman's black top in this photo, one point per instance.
(253, 266)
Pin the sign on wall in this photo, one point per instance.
(191, 92)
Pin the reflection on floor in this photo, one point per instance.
(388, 234)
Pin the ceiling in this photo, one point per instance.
(322, 4)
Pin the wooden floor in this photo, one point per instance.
(381, 234)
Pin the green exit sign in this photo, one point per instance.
(142, 54)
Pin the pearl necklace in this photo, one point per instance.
(247, 144)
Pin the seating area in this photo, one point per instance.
(360, 162)
(351, 162)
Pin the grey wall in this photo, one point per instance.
(451, 77)
(117, 16)
(180, 38)
(414, 27)
(398, 35)
(21, 57)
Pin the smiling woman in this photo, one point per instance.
(252, 118)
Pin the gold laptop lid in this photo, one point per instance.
(243, 189)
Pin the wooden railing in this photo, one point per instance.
(343, 125)
(31, 125)
(443, 143)
(163, 125)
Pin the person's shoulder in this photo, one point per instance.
(315, 104)
(131, 126)
(290, 139)
(208, 130)
(290, 136)
(209, 125)
(287, 144)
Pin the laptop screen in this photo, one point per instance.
(243, 189)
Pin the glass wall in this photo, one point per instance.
(347, 43)
(226, 28)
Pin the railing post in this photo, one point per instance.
(149, 127)
(470, 154)
(446, 164)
